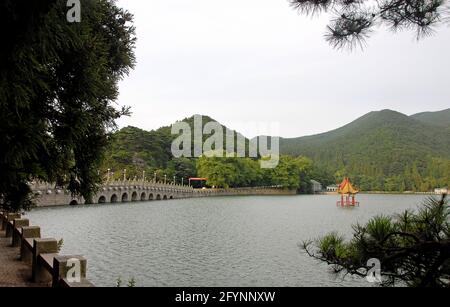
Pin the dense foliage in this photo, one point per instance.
(439, 119)
(291, 173)
(413, 248)
(58, 84)
(137, 150)
(383, 151)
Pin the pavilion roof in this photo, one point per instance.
(346, 187)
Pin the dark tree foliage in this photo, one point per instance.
(413, 247)
(354, 20)
(58, 85)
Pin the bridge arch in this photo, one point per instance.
(143, 196)
(151, 197)
(102, 200)
(158, 197)
(74, 203)
(124, 197)
(134, 196)
(171, 197)
(113, 199)
(165, 197)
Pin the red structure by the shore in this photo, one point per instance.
(201, 180)
(348, 194)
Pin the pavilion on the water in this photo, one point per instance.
(348, 193)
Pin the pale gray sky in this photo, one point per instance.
(258, 60)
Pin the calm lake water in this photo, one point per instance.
(224, 241)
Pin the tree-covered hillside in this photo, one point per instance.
(383, 150)
(439, 119)
(137, 150)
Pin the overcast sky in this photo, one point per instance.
(258, 60)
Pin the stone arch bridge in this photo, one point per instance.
(134, 191)
(112, 192)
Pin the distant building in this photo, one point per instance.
(316, 186)
(332, 188)
(441, 191)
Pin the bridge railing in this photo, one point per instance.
(43, 186)
(47, 266)
(141, 183)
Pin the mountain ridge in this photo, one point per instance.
(438, 118)
(381, 150)
(379, 146)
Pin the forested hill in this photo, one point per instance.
(138, 150)
(135, 146)
(440, 119)
(384, 150)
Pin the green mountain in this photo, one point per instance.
(384, 150)
(137, 150)
(140, 151)
(378, 147)
(136, 147)
(439, 119)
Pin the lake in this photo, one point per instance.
(222, 241)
